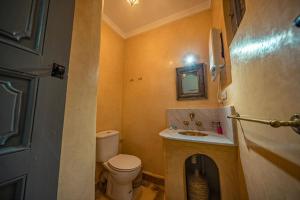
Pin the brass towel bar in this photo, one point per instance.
(294, 121)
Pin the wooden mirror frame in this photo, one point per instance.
(199, 70)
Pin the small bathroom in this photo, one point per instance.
(150, 100)
(175, 113)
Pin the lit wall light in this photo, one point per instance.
(190, 59)
(133, 2)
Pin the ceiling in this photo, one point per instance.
(148, 14)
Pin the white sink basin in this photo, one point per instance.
(193, 133)
(196, 136)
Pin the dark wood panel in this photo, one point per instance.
(18, 23)
(22, 24)
(17, 98)
(13, 189)
(11, 99)
(234, 11)
(34, 34)
(46, 139)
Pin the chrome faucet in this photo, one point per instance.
(192, 116)
(198, 124)
(186, 123)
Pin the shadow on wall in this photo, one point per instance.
(289, 167)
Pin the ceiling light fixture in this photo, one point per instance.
(133, 2)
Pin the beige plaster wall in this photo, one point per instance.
(110, 90)
(152, 57)
(265, 84)
(77, 168)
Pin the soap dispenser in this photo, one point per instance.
(219, 128)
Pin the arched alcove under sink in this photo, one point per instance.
(202, 178)
(220, 169)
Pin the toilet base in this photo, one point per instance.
(118, 191)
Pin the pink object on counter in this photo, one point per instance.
(219, 129)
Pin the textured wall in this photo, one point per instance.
(153, 56)
(265, 84)
(110, 90)
(77, 169)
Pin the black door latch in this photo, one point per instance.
(297, 21)
(58, 71)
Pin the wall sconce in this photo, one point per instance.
(133, 2)
(190, 59)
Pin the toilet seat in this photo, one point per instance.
(124, 163)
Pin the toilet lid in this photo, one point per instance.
(123, 162)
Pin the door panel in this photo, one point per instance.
(34, 34)
(46, 140)
(11, 99)
(18, 95)
(13, 189)
(24, 27)
(14, 165)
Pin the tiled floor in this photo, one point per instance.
(148, 191)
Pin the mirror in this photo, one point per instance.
(191, 82)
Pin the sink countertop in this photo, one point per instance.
(211, 138)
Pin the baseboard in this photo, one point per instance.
(154, 178)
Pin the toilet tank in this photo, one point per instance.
(107, 145)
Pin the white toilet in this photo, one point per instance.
(123, 169)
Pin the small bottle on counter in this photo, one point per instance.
(219, 128)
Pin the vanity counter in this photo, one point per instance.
(211, 138)
(178, 148)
